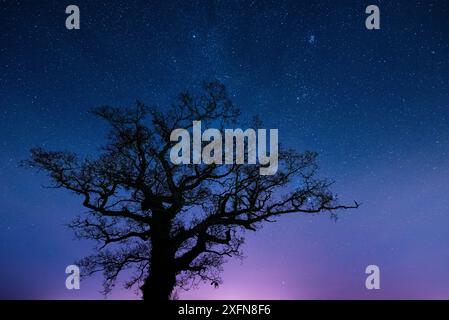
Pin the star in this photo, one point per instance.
(312, 39)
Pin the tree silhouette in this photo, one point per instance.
(174, 225)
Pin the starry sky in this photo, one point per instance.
(374, 104)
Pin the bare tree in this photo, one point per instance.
(174, 225)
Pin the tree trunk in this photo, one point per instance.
(159, 284)
(162, 276)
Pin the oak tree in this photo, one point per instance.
(174, 225)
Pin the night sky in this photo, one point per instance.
(374, 104)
